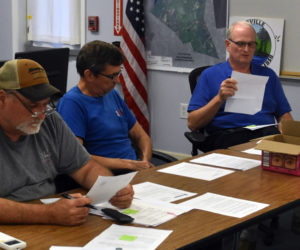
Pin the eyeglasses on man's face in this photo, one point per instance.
(49, 109)
(242, 45)
(113, 76)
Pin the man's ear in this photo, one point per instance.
(88, 75)
(227, 44)
(2, 96)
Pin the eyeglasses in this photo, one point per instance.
(50, 108)
(243, 45)
(112, 76)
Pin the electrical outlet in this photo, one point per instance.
(183, 110)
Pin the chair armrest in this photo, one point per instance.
(163, 156)
(195, 137)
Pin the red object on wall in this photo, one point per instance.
(93, 23)
(118, 17)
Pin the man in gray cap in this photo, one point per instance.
(36, 145)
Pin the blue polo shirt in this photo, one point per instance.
(275, 103)
(102, 122)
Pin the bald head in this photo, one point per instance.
(237, 24)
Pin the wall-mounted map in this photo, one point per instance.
(185, 33)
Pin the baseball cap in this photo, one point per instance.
(27, 77)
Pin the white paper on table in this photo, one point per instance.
(64, 248)
(224, 205)
(106, 187)
(252, 151)
(255, 127)
(196, 171)
(147, 212)
(248, 98)
(227, 161)
(150, 190)
(128, 237)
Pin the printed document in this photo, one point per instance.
(146, 212)
(252, 151)
(225, 205)
(196, 171)
(248, 98)
(107, 186)
(227, 161)
(127, 237)
(255, 127)
(150, 190)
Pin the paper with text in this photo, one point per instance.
(128, 237)
(106, 187)
(64, 248)
(147, 212)
(255, 127)
(227, 161)
(149, 190)
(225, 205)
(248, 98)
(196, 171)
(252, 151)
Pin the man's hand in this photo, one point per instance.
(123, 198)
(227, 88)
(69, 212)
(136, 165)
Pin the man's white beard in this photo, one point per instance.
(30, 127)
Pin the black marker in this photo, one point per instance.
(67, 196)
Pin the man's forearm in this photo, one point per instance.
(12, 212)
(201, 117)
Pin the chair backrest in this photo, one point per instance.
(194, 75)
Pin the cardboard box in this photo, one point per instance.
(281, 152)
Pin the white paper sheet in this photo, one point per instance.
(149, 190)
(249, 96)
(107, 186)
(147, 212)
(64, 248)
(252, 151)
(127, 237)
(196, 171)
(227, 161)
(224, 205)
(255, 127)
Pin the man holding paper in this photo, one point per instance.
(36, 145)
(218, 84)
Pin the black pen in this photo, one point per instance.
(67, 196)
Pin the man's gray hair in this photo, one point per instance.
(240, 23)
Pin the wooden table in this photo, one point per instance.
(190, 229)
(244, 146)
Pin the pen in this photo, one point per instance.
(67, 196)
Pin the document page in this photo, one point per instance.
(248, 98)
(252, 151)
(225, 205)
(255, 127)
(196, 171)
(227, 161)
(127, 237)
(64, 248)
(149, 190)
(147, 212)
(107, 186)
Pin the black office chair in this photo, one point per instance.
(160, 158)
(197, 138)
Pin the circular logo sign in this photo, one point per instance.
(266, 42)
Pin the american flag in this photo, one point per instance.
(134, 75)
